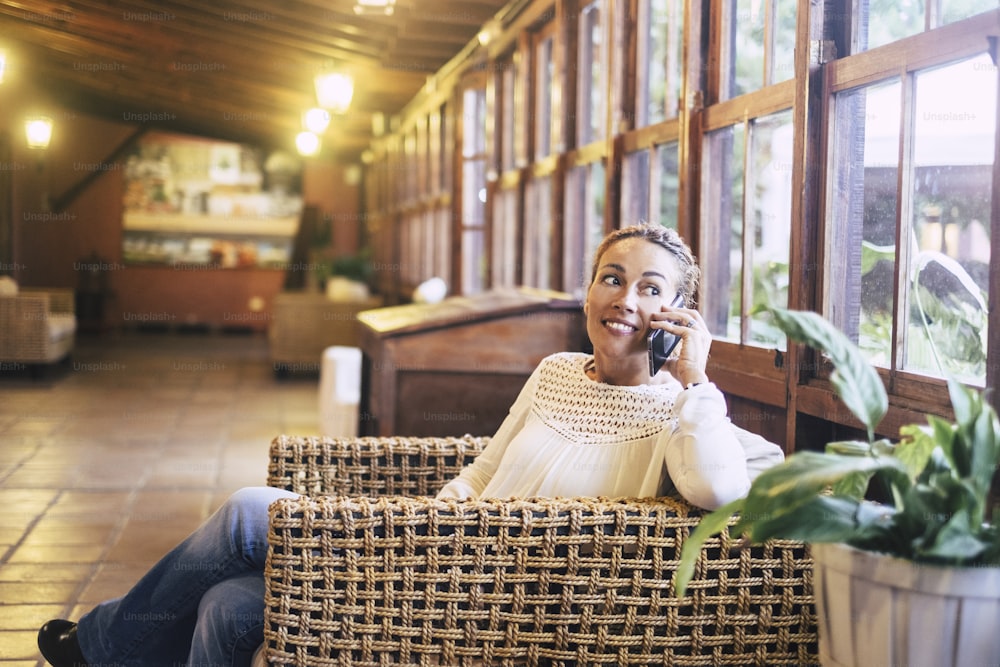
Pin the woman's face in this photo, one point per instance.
(634, 279)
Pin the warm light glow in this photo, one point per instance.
(316, 120)
(374, 7)
(307, 143)
(334, 91)
(3, 64)
(38, 131)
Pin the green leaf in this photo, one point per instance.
(822, 519)
(915, 449)
(984, 449)
(855, 380)
(849, 447)
(711, 524)
(854, 485)
(803, 475)
(955, 542)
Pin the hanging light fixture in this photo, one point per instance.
(367, 7)
(38, 131)
(316, 120)
(307, 143)
(334, 91)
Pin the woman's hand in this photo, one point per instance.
(689, 360)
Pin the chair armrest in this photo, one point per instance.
(369, 466)
(60, 300)
(360, 581)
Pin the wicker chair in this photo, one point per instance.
(378, 573)
(37, 326)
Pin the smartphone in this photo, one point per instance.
(660, 343)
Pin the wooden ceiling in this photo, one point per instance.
(240, 71)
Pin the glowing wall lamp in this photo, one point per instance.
(334, 91)
(307, 144)
(3, 64)
(38, 131)
(316, 120)
(364, 7)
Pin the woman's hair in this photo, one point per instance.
(667, 239)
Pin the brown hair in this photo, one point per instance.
(666, 238)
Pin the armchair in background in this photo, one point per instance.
(37, 326)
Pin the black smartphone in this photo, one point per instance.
(660, 343)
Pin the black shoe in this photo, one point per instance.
(58, 643)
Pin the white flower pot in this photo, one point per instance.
(876, 610)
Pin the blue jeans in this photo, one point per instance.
(202, 605)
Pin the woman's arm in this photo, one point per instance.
(710, 461)
(475, 476)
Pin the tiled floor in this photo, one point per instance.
(110, 461)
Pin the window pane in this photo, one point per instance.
(508, 78)
(584, 226)
(783, 52)
(669, 184)
(864, 138)
(770, 222)
(635, 188)
(658, 88)
(543, 100)
(888, 20)
(953, 144)
(474, 128)
(592, 66)
(442, 244)
(473, 261)
(956, 10)
(722, 231)
(745, 60)
(504, 264)
(538, 233)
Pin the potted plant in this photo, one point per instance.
(911, 579)
(347, 277)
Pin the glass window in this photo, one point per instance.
(635, 188)
(660, 27)
(505, 266)
(651, 188)
(585, 224)
(537, 250)
(473, 191)
(592, 66)
(544, 74)
(759, 48)
(864, 189)
(879, 22)
(746, 226)
(508, 114)
(944, 255)
(666, 198)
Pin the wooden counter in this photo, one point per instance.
(455, 367)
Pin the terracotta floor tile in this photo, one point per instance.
(19, 645)
(106, 466)
(28, 616)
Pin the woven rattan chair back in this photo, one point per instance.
(357, 582)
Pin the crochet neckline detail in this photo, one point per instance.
(588, 412)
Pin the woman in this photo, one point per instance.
(584, 425)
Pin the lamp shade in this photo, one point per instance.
(385, 7)
(38, 131)
(316, 120)
(334, 91)
(307, 143)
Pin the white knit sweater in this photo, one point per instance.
(567, 435)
